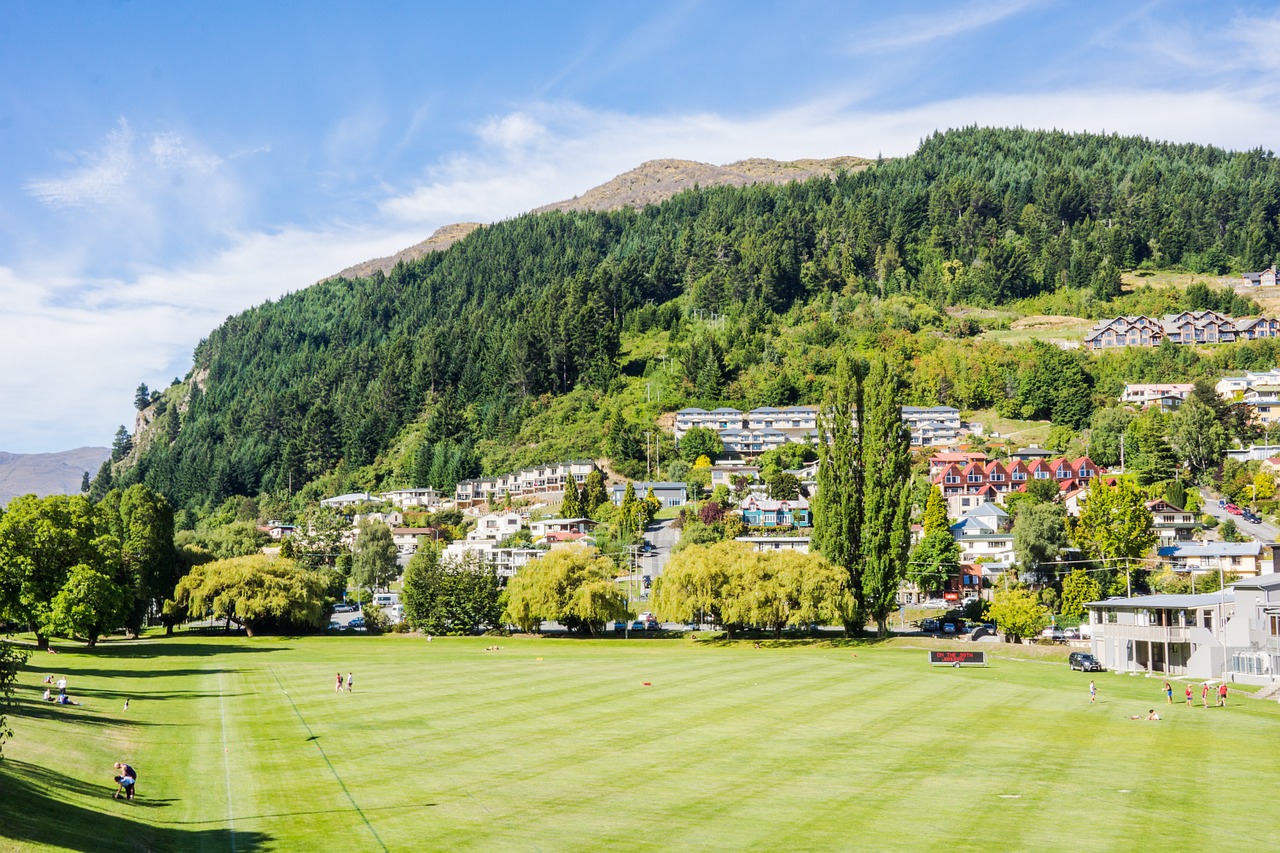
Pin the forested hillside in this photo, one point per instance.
(740, 294)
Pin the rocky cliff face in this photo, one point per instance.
(649, 183)
(47, 473)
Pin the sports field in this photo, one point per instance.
(553, 744)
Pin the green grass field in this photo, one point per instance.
(555, 744)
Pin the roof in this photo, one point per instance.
(642, 487)
(1212, 549)
(1271, 581)
(1205, 599)
(692, 411)
(987, 509)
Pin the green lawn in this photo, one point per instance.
(553, 744)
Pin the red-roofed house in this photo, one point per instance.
(968, 486)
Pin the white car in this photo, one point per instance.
(935, 604)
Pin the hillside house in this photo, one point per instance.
(496, 527)
(669, 494)
(1264, 403)
(406, 538)
(1258, 327)
(1167, 396)
(427, 498)
(759, 511)
(1263, 278)
(1233, 387)
(538, 481)
(1242, 558)
(776, 543)
(1139, 331)
(933, 426)
(1170, 523)
(348, 500)
(980, 482)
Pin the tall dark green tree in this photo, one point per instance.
(886, 461)
(838, 504)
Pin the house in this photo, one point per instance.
(1031, 454)
(1199, 327)
(507, 561)
(940, 461)
(1233, 387)
(277, 530)
(1168, 396)
(932, 426)
(724, 475)
(405, 498)
(983, 534)
(1264, 402)
(344, 501)
(1171, 634)
(1265, 278)
(561, 529)
(1258, 327)
(496, 527)
(406, 538)
(670, 494)
(1241, 558)
(776, 543)
(1252, 634)
(759, 511)
(1124, 331)
(1170, 523)
(394, 518)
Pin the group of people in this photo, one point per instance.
(62, 698)
(1205, 691)
(351, 679)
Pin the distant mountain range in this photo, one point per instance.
(648, 183)
(47, 473)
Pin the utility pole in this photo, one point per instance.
(648, 470)
(1121, 453)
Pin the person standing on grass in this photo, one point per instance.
(338, 689)
(1093, 692)
(1168, 692)
(1222, 695)
(351, 679)
(1188, 695)
(1204, 694)
(62, 685)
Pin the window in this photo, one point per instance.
(1042, 475)
(975, 478)
(1019, 475)
(1112, 618)
(1207, 620)
(997, 478)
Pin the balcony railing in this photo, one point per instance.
(1151, 633)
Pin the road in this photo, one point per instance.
(664, 535)
(1264, 532)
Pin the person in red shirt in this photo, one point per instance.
(1188, 695)
(1222, 695)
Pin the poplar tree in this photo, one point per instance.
(886, 462)
(571, 506)
(837, 506)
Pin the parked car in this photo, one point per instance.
(1084, 662)
(652, 626)
(620, 626)
(1250, 517)
(344, 608)
(929, 625)
(638, 625)
(948, 627)
(1233, 509)
(1071, 634)
(357, 622)
(335, 626)
(1222, 503)
(1054, 634)
(935, 604)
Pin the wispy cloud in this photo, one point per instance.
(97, 179)
(917, 30)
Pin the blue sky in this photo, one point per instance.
(167, 164)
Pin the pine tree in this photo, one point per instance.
(935, 512)
(571, 506)
(84, 482)
(593, 492)
(886, 459)
(837, 506)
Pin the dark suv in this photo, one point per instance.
(1084, 662)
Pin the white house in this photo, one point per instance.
(495, 527)
(1253, 632)
(777, 543)
(343, 501)
(1242, 558)
(405, 498)
(670, 494)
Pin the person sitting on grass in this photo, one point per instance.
(1151, 715)
(64, 699)
(48, 695)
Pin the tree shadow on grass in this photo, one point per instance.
(34, 810)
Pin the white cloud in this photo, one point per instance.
(516, 130)
(100, 178)
(916, 30)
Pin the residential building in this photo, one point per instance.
(561, 529)
(776, 543)
(277, 530)
(406, 538)
(1233, 387)
(1171, 634)
(1252, 634)
(405, 498)
(984, 536)
(980, 481)
(759, 511)
(1241, 558)
(725, 474)
(1167, 396)
(1030, 454)
(940, 461)
(670, 494)
(717, 419)
(344, 501)
(933, 426)
(393, 518)
(1186, 327)
(1264, 278)
(507, 561)
(526, 483)
(496, 527)
(1264, 402)
(1171, 524)
(751, 442)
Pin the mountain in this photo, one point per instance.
(568, 333)
(47, 473)
(649, 183)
